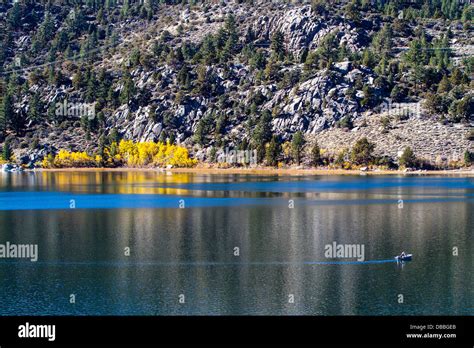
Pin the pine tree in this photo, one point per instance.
(14, 15)
(6, 151)
(6, 111)
(468, 158)
(408, 158)
(273, 151)
(312, 62)
(352, 11)
(46, 29)
(203, 82)
(128, 90)
(262, 134)
(414, 53)
(104, 85)
(221, 124)
(258, 60)
(465, 109)
(277, 45)
(368, 59)
(382, 42)
(78, 80)
(396, 94)
(201, 130)
(362, 152)
(272, 70)
(368, 95)
(444, 85)
(230, 46)
(297, 144)
(35, 108)
(183, 78)
(114, 136)
(316, 155)
(208, 50)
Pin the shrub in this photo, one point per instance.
(345, 122)
(362, 152)
(67, 159)
(127, 153)
(468, 158)
(408, 158)
(470, 135)
(151, 153)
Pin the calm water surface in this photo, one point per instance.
(190, 250)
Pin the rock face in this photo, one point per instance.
(304, 29)
(319, 102)
(314, 105)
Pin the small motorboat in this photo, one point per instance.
(406, 257)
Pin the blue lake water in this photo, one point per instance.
(182, 231)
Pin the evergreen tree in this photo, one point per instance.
(104, 85)
(408, 158)
(272, 70)
(6, 151)
(312, 62)
(128, 90)
(204, 81)
(362, 152)
(6, 111)
(184, 78)
(444, 85)
(35, 109)
(258, 60)
(468, 158)
(78, 80)
(367, 100)
(230, 46)
(352, 11)
(208, 50)
(114, 136)
(277, 45)
(92, 86)
(382, 41)
(465, 109)
(46, 29)
(316, 155)
(201, 131)
(14, 16)
(414, 53)
(262, 134)
(368, 59)
(273, 151)
(397, 94)
(221, 124)
(297, 144)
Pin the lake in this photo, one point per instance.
(151, 243)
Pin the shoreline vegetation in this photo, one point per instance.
(127, 155)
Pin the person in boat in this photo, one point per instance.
(402, 255)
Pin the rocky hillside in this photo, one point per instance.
(244, 75)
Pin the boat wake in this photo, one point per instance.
(194, 263)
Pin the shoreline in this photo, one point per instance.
(264, 171)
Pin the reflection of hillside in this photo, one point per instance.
(434, 283)
(99, 182)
